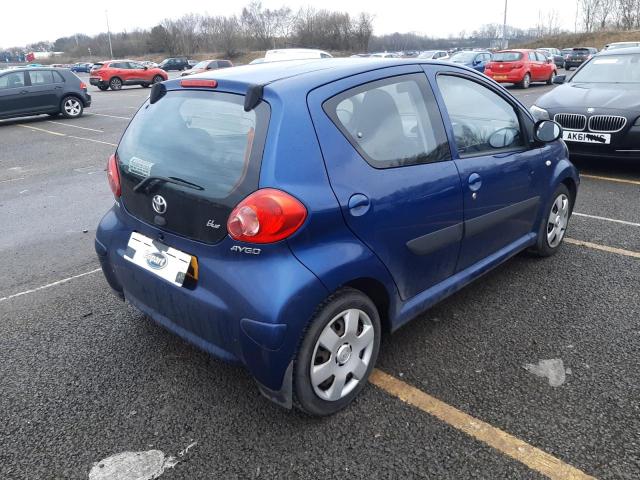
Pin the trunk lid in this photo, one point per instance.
(187, 160)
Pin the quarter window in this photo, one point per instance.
(12, 80)
(392, 122)
(483, 122)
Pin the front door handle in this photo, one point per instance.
(475, 182)
(359, 204)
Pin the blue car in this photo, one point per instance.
(472, 59)
(282, 216)
(81, 67)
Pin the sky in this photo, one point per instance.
(47, 20)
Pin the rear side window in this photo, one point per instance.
(392, 122)
(41, 77)
(202, 137)
(12, 80)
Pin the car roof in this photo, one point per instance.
(313, 72)
(621, 51)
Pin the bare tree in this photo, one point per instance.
(589, 9)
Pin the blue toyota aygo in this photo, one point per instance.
(284, 215)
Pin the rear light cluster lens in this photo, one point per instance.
(266, 216)
(113, 175)
(83, 86)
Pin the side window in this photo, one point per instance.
(483, 122)
(135, 66)
(41, 77)
(532, 56)
(541, 57)
(392, 122)
(12, 80)
(325, 55)
(57, 77)
(214, 64)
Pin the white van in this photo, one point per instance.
(294, 54)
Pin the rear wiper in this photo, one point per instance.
(148, 182)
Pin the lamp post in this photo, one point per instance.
(106, 14)
(504, 27)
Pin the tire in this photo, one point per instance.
(338, 336)
(71, 107)
(553, 75)
(526, 81)
(157, 79)
(554, 219)
(115, 83)
(145, 85)
(104, 88)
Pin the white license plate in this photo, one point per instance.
(157, 258)
(587, 137)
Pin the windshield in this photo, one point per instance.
(622, 45)
(506, 56)
(463, 57)
(202, 64)
(610, 69)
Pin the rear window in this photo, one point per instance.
(97, 66)
(202, 137)
(506, 56)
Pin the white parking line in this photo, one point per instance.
(596, 217)
(64, 280)
(110, 116)
(69, 136)
(75, 126)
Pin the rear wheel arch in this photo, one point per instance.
(376, 291)
(74, 95)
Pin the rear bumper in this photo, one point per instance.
(98, 82)
(250, 310)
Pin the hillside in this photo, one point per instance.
(593, 39)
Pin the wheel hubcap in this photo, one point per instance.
(558, 220)
(342, 354)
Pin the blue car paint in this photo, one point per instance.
(476, 64)
(254, 309)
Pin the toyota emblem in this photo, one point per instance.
(159, 204)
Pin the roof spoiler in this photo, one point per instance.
(253, 97)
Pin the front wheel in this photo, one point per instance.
(337, 354)
(71, 107)
(526, 81)
(104, 88)
(157, 79)
(554, 222)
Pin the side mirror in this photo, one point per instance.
(559, 79)
(549, 60)
(145, 68)
(546, 131)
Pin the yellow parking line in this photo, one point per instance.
(604, 248)
(43, 130)
(75, 126)
(532, 457)
(611, 179)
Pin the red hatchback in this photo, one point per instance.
(521, 67)
(116, 73)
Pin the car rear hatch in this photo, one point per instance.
(579, 54)
(187, 160)
(505, 61)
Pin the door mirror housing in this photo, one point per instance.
(559, 79)
(546, 131)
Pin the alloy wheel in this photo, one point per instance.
(342, 354)
(558, 220)
(72, 107)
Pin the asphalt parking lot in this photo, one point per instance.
(545, 351)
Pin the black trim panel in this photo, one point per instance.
(479, 224)
(437, 240)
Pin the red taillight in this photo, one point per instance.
(194, 83)
(266, 216)
(83, 85)
(113, 175)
